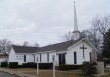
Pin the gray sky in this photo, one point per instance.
(46, 21)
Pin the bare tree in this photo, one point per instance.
(102, 24)
(68, 36)
(91, 34)
(5, 46)
(86, 33)
(26, 43)
(36, 44)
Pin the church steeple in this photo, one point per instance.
(75, 19)
(76, 33)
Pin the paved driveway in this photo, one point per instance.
(3, 74)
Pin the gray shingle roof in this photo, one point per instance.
(58, 47)
(24, 49)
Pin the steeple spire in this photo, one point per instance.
(75, 19)
(76, 33)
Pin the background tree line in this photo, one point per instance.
(6, 46)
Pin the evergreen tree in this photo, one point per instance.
(106, 45)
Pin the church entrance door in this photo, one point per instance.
(61, 59)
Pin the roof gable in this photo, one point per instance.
(87, 41)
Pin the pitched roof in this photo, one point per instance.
(24, 49)
(58, 47)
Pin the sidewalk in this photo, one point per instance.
(17, 73)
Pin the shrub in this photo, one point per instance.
(29, 65)
(89, 68)
(69, 67)
(24, 65)
(4, 64)
(45, 65)
(13, 64)
(20, 66)
(34, 65)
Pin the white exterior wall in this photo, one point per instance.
(30, 58)
(12, 56)
(44, 57)
(76, 48)
(69, 56)
(16, 57)
(20, 58)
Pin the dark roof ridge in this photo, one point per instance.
(24, 46)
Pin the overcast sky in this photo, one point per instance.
(46, 21)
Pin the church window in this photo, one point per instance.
(24, 58)
(34, 58)
(48, 57)
(75, 58)
(90, 56)
(40, 57)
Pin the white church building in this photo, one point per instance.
(75, 51)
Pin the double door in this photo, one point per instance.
(61, 59)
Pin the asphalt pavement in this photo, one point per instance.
(4, 74)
